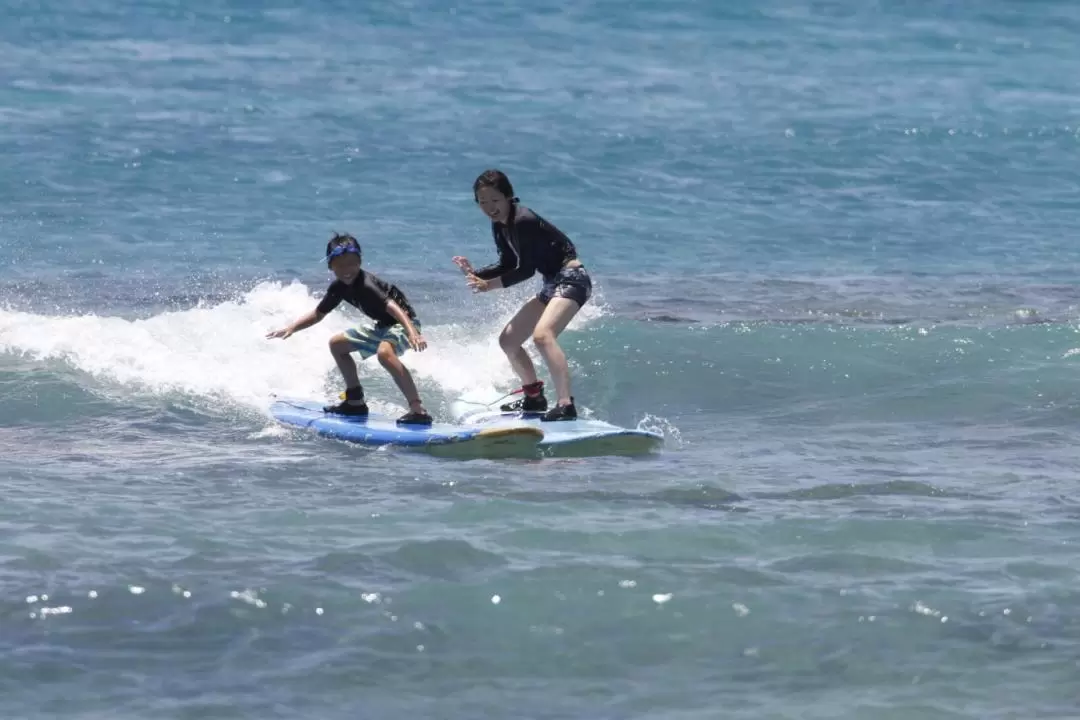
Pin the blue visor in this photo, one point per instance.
(341, 250)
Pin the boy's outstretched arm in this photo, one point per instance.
(415, 339)
(302, 323)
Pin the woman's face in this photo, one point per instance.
(493, 204)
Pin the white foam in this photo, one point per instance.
(220, 351)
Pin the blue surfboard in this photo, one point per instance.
(508, 439)
(582, 437)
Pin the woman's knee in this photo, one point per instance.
(507, 341)
(520, 327)
(544, 337)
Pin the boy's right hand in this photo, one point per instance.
(282, 333)
(463, 264)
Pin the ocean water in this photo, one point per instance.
(833, 248)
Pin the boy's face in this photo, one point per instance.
(346, 268)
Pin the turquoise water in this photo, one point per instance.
(832, 248)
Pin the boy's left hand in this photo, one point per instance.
(419, 344)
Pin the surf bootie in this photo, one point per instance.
(534, 400)
(414, 417)
(561, 412)
(353, 404)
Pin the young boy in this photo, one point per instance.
(396, 328)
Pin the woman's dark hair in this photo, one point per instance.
(494, 179)
(342, 240)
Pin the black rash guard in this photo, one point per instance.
(368, 293)
(529, 244)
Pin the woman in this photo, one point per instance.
(528, 244)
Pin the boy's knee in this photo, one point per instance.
(386, 354)
(339, 345)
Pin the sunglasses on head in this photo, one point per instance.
(341, 250)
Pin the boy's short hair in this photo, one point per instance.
(342, 240)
